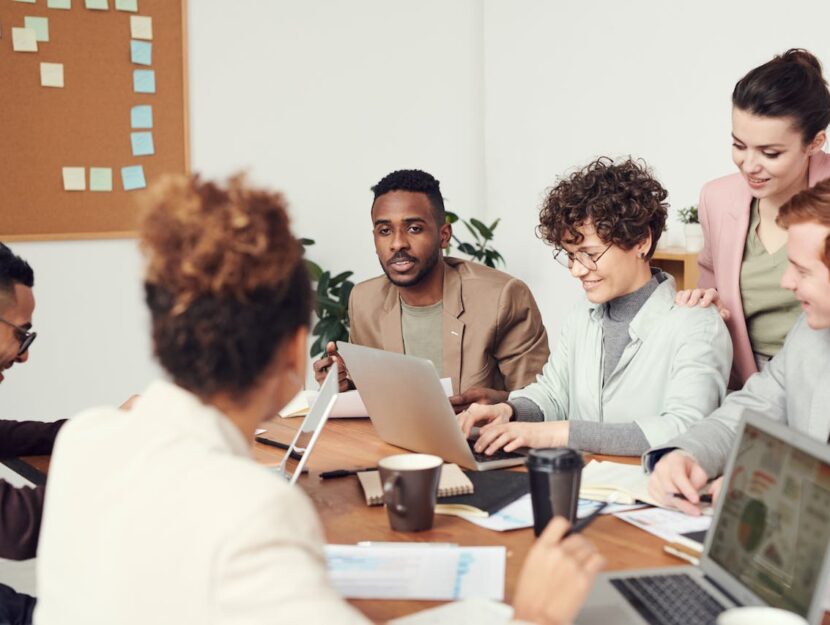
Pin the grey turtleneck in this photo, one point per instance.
(624, 439)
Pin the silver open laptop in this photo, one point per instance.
(768, 544)
(312, 426)
(410, 409)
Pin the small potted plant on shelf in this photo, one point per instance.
(692, 231)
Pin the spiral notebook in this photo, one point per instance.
(452, 482)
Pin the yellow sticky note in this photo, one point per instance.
(141, 27)
(51, 74)
(74, 179)
(24, 40)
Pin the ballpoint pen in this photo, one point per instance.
(327, 475)
(278, 445)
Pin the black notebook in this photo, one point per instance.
(492, 491)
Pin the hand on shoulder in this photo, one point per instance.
(703, 298)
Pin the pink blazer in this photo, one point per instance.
(724, 216)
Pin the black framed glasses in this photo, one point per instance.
(586, 259)
(23, 335)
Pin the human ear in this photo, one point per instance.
(445, 233)
(817, 143)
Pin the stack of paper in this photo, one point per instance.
(428, 571)
(669, 525)
(628, 483)
(349, 405)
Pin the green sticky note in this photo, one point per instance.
(133, 178)
(97, 5)
(38, 24)
(126, 5)
(100, 179)
(27, 1)
(141, 116)
(59, 4)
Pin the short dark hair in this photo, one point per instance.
(623, 201)
(13, 270)
(226, 283)
(790, 85)
(416, 181)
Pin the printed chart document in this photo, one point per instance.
(416, 571)
(349, 405)
(666, 524)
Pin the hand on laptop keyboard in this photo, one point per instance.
(512, 436)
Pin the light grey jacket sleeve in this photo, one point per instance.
(711, 440)
(550, 391)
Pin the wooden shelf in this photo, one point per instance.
(680, 263)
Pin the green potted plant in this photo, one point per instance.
(692, 230)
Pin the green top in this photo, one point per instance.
(423, 331)
(770, 310)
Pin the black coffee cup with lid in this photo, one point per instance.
(555, 475)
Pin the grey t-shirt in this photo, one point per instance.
(423, 332)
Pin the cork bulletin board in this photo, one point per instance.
(81, 131)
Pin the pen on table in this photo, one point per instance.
(584, 522)
(327, 475)
(278, 445)
(704, 497)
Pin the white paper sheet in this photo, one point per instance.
(349, 405)
(416, 571)
(666, 524)
(519, 514)
(478, 611)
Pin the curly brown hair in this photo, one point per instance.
(225, 281)
(623, 201)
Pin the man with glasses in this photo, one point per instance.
(631, 370)
(20, 508)
(479, 327)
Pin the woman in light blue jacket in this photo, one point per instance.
(631, 369)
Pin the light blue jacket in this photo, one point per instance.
(672, 374)
(794, 388)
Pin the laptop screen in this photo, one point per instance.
(774, 525)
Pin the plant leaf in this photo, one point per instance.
(484, 230)
(314, 270)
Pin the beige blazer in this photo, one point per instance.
(493, 331)
(160, 515)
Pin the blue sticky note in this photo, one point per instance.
(141, 116)
(97, 5)
(126, 5)
(38, 24)
(144, 81)
(59, 4)
(133, 178)
(142, 143)
(141, 52)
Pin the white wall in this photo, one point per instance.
(317, 99)
(568, 81)
(495, 98)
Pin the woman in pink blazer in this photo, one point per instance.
(780, 113)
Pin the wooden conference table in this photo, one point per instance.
(353, 443)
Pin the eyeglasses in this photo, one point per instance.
(25, 337)
(586, 259)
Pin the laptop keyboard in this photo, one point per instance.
(669, 599)
(498, 455)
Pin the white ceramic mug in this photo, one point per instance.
(759, 615)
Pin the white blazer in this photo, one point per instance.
(160, 515)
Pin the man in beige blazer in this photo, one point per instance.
(479, 326)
